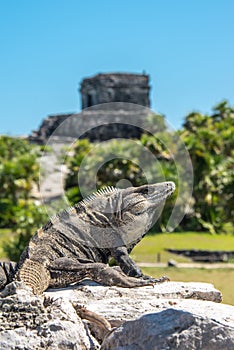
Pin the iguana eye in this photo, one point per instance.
(137, 208)
(144, 190)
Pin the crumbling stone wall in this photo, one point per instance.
(101, 93)
(115, 87)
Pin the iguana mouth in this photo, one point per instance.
(169, 189)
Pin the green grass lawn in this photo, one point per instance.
(148, 249)
(152, 245)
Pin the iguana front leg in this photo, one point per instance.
(128, 266)
(65, 271)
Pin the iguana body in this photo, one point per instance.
(78, 243)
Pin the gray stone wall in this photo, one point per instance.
(112, 99)
(115, 87)
(97, 124)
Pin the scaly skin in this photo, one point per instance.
(78, 243)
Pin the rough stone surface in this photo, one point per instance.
(29, 322)
(117, 303)
(108, 100)
(47, 127)
(115, 87)
(167, 316)
(98, 123)
(171, 329)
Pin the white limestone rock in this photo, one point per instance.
(29, 322)
(170, 316)
(171, 329)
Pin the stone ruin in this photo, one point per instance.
(105, 98)
(115, 87)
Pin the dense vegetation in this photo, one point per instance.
(209, 140)
(19, 173)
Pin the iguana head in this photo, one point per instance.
(141, 206)
(138, 200)
(124, 215)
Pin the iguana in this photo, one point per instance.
(79, 242)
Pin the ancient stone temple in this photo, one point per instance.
(115, 87)
(107, 100)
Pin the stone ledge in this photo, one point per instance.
(89, 292)
(173, 315)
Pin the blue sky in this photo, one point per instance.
(48, 47)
